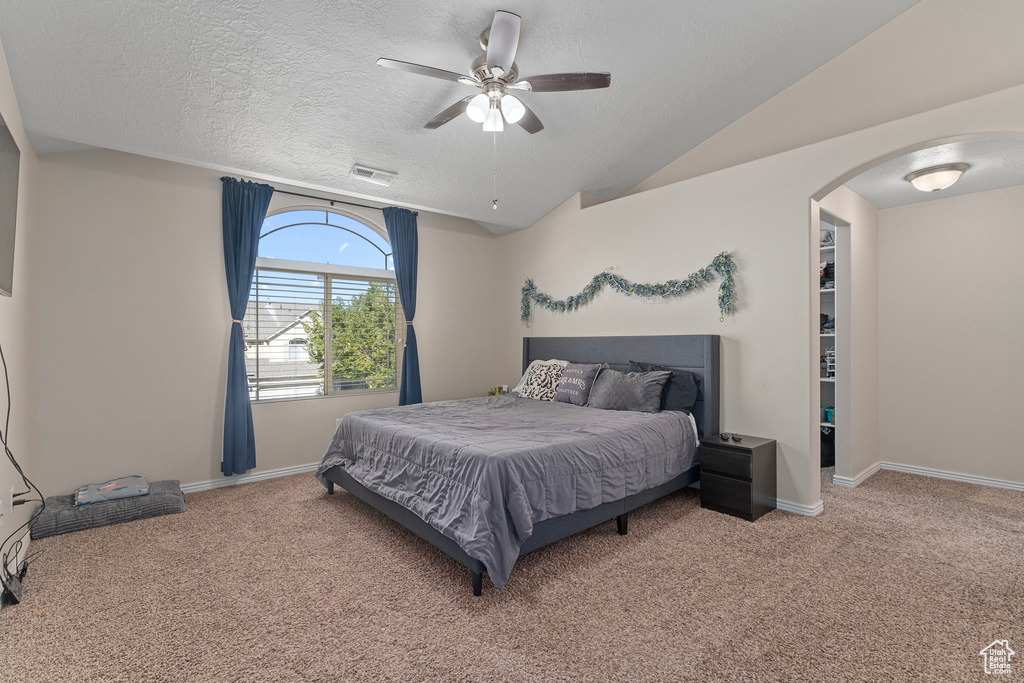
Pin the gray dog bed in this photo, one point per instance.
(62, 516)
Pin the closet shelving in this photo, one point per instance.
(827, 255)
(833, 240)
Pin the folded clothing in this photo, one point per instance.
(125, 487)
(61, 515)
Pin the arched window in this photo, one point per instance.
(324, 315)
(319, 236)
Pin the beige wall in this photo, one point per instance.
(857, 336)
(18, 321)
(134, 325)
(951, 325)
(901, 69)
(760, 212)
(133, 315)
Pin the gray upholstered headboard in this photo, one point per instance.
(698, 353)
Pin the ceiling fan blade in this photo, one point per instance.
(530, 123)
(450, 114)
(503, 42)
(564, 82)
(419, 69)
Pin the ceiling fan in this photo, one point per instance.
(496, 73)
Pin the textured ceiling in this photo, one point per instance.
(290, 90)
(995, 164)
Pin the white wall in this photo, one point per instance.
(134, 325)
(857, 332)
(18, 321)
(760, 211)
(950, 331)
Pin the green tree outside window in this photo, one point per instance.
(363, 331)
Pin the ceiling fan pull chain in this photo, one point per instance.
(494, 159)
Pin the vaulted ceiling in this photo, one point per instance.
(290, 89)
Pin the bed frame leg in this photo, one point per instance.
(330, 487)
(478, 584)
(623, 522)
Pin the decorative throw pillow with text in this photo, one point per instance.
(576, 383)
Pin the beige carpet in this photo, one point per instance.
(904, 578)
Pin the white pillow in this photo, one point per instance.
(542, 382)
(526, 375)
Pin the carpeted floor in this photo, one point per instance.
(904, 578)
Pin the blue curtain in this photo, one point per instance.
(243, 209)
(402, 234)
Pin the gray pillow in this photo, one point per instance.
(576, 383)
(61, 515)
(680, 391)
(637, 391)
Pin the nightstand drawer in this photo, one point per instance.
(736, 464)
(726, 492)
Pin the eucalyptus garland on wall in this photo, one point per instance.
(722, 266)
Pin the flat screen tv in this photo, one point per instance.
(10, 159)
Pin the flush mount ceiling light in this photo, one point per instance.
(937, 177)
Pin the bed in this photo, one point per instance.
(487, 480)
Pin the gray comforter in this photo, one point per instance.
(484, 471)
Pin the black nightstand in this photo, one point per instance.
(737, 478)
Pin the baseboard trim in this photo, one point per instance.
(853, 482)
(248, 478)
(953, 476)
(785, 505)
(926, 472)
(798, 509)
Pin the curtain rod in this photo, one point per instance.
(326, 199)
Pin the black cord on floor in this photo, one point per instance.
(5, 572)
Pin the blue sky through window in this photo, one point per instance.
(323, 237)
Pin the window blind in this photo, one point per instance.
(289, 346)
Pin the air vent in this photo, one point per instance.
(373, 175)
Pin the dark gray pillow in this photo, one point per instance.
(637, 391)
(62, 515)
(576, 383)
(680, 392)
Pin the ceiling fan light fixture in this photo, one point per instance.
(512, 108)
(936, 178)
(478, 107)
(493, 123)
(494, 72)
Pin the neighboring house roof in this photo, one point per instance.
(275, 318)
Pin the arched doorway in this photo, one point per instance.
(888, 351)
